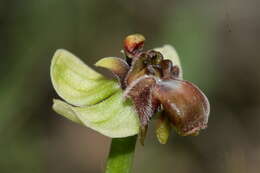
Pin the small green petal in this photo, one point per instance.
(116, 65)
(163, 129)
(113, 64)
(113, 117)
(76, 82)
(170, 53)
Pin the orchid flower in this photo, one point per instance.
(147, 85)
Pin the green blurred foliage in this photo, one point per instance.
(218, 46)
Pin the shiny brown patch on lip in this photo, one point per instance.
(185, 105)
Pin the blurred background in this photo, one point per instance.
(218, 42)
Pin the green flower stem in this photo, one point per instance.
(121, 155)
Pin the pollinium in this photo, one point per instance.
(154, 85)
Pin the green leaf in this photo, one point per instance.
(76, 82)
(170, 53)
(113, 117)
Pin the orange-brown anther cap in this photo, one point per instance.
(133, 44)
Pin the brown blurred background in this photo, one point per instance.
(218, 42)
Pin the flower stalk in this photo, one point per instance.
(121, 155)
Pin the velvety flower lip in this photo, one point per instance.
(148, 83)
(140, 93)
(185, 105)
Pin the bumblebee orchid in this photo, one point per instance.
(148, 83)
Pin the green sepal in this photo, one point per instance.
(114, 117)
(76, 82)
(65, 110)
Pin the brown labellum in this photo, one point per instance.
(185, 105)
